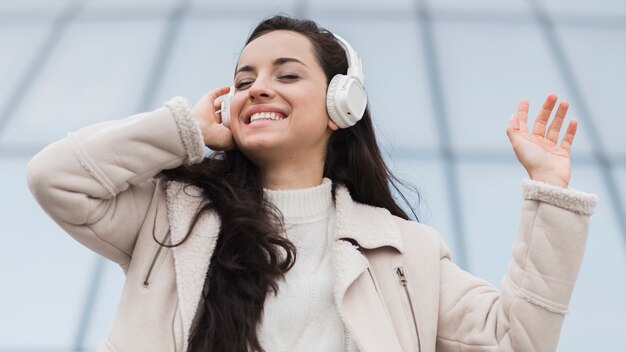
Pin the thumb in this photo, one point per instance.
(513, 124)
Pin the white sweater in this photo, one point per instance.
(304, 316)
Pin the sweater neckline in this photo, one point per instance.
(303, 202)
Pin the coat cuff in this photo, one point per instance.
(567, 198)
(188, 128)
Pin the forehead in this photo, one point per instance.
(279, 43)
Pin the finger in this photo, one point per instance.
(513, 122)
(210, 97)
(226, 141)
(557, 122)
(513, 127)
(217, 103)
(206, 103)
(522, 115)
(539, 128)
(569, 135)
(217, 106)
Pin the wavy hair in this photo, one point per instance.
(251, 255)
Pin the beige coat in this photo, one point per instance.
(395, 286)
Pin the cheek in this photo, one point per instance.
(314, 107)
(309, 127)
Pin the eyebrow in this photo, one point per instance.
(277, 62)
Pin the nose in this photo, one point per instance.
(260, 90)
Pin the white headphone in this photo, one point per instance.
(345, 97)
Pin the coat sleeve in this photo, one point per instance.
(528, 311)
(97, 183)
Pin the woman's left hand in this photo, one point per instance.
(537, 151)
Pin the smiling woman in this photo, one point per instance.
(287, 237)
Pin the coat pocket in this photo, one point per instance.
(407, 303)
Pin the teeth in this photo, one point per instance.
(265, 116)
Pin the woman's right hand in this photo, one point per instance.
(216, 136)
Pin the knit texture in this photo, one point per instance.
(567, 198)
(303, 315)
(189, 129)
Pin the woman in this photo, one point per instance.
(296, 202)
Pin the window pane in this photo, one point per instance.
(597, 56)
(519, 7)
(97, 72)
(486, 69)
(121, 7)
(106, 301)
(490, 198)
(235, 7)
(26, 8)
(48, 270)
(200, 60)
(606, 8)
(16, 57)
(427, 175)
(320, 7)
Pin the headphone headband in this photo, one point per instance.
(355, 67)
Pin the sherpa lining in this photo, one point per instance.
(567, 198)
(189, 129)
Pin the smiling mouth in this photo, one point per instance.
(266, 116)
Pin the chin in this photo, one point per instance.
(258, 149)
(259, 143)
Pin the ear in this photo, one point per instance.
(332, 125)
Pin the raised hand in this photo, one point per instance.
(538, 151)
(216, 136)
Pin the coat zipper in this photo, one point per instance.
(403, 282)
(146, 281)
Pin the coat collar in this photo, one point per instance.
(366, 226)
(370, 227)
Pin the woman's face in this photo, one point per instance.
(279, 106)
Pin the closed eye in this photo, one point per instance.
(290, 76)
(241, 84)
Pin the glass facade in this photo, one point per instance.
(443, 77)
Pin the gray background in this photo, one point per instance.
(443, 78)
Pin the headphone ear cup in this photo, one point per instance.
(225, 108)
(331, 100)
(345, 100)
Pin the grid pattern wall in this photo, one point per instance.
(443, 78)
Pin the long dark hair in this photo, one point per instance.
(251, 255)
